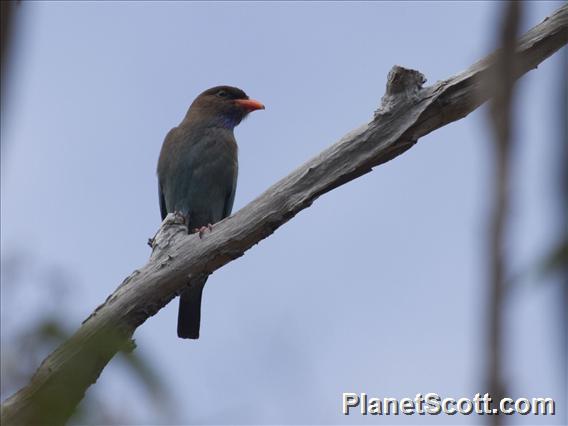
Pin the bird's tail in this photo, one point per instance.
(189, 314)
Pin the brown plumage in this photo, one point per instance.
(197, 175)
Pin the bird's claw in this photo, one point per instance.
(201, 230)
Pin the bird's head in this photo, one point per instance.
(222, 106)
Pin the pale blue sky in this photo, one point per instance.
(379, 287)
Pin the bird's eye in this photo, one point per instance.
(222, 94)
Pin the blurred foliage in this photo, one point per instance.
(25, 341)
(556, 260)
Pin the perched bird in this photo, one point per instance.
(197, 176)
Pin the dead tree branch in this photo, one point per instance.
(407, 112)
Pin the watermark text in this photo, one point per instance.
(433, 404)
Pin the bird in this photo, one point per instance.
(197, 176)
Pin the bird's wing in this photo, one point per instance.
(231, 196)
(163, 209)
(164, 163)
(229, 202)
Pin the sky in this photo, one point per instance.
(379, 287)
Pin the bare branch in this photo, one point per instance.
(407, 112)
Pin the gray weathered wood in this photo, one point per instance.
(407, 112)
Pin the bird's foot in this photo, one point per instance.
(201, 230)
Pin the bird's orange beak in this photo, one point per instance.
(249, 104)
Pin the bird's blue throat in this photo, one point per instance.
(228, 121)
